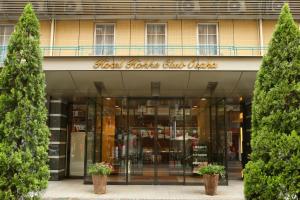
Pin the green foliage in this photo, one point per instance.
(212, 170)
(24, 135)
(273, 172)
(100, 169)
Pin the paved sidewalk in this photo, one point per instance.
(76, 190)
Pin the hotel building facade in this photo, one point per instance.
(156, 88)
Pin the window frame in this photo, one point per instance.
(95, 38)
(217, 38)
(146, 38)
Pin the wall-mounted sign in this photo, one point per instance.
(154, 64)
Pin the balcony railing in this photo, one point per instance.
(136, 50)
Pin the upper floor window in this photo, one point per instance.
(207, 39)
(5, 33)
(156, 39)
(105, 39)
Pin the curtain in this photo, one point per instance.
(207, 38)
(105, 39)
(5, 33)
(156, 39)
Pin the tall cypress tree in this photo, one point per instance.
(274, 169)
(24, 135)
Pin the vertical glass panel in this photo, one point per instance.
(109, 29)
(160, 29)
(202, 39)
(170, 141)
(90, 136)
(141, 155)
(212, 39)
(78, 133)
(99, 49)
(109, 48)
(114, 137)
(212, 29)
(100, 30)
(202, 29)
(150, 29)
(151, 39)
(234, 118)
(98, 152)
(212, 44)
(220, 134)
(77, 154)
(197, 118)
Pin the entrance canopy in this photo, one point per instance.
(68, 83)
(119, 76)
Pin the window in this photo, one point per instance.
(5, 32)
(105, 39)
(207, 39)
(156, 39)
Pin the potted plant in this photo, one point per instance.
(99, 172)
(211, 175)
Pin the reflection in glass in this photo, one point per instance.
(141, 157)
(90, 135)
(170, 137)
(114, 137)
(77, 143)
(197, 137)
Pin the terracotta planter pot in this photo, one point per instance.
(211, 183)
(99, 182)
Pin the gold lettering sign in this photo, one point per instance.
(153, 64)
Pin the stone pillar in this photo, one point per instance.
(57, 147)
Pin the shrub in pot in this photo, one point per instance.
(99, 173)
(211, 175)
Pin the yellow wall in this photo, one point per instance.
(137, 36)
(189, 37)
(246, 34)
(226, 36)
(45, 27)
(122, 37)
(268, 27)
(240, 33)
(86, 37)
(174, 37)
(66, 34)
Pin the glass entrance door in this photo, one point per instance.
(141, 143)
(169, 141)
(156, 140)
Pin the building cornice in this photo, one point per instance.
(154, 9)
